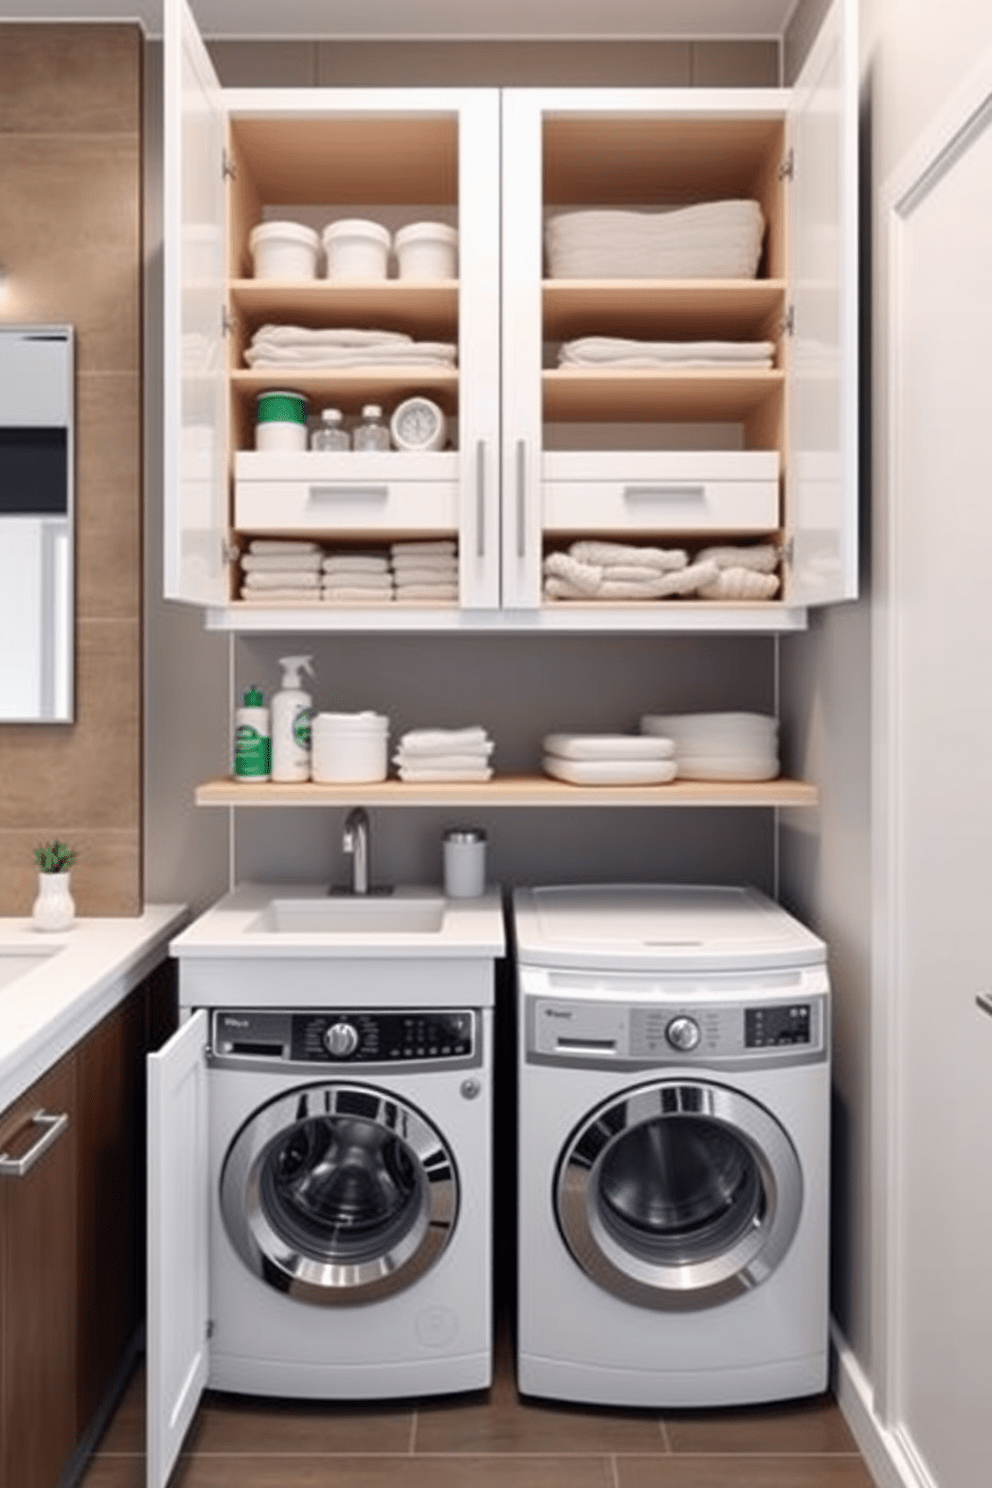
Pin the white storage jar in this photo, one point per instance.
(281, 420)
(356, 248)
(427, 250)
(284, 250)
(348, 747)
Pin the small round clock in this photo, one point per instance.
(418, 424)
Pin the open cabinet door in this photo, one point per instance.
(822, 399)
(195, 277)
(177, 1349)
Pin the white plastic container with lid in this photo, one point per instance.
(427, 250)
(356, 248)
(349, 747)
(292, 712)
(284, 250)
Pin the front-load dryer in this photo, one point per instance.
(674, 1087)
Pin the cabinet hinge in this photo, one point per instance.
(228, 322)
(209, 1331)
(787, 169)
(787, 325)
(787, 551)
(231, 552)
(228, 169)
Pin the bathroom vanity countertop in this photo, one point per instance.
(80, 976)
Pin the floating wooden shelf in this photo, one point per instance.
(523, 790)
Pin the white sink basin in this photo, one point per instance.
(351, 915)
(17, 963)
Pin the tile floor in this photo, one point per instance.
(488, 1439)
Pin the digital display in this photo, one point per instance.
(783, 1023)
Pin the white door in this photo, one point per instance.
(178, 1240)
(195, 264)
(822, 408)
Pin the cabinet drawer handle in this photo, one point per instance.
(349, 493)
(521, 498)
(480, 499)
(664, 493)
(52, 1129)
(984, 1000)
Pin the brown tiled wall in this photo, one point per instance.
(70, 244)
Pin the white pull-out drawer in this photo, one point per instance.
(669, 490)
(348, 492)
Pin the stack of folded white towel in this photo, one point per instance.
(444, 754)
(591, 570)
(713, 240)
(280, 571)
(299, 346)
(746, 572)
(719, 746)
(609, 759)
(425, 570)
(615, 351)
(356, 577)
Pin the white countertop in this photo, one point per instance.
(471, 928)
(86, 971)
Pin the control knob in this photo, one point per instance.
(683, 1033)
(341, 1039)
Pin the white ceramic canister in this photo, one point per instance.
(281, 420)
(54, 908)
(284, 250)
(348, 747)
(356, 248)
(464, 863)
(427, 250)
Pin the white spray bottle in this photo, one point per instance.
(292, 710)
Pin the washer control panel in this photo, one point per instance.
(345, 1036)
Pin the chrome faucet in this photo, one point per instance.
(356, 842)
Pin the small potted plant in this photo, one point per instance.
(54, 909)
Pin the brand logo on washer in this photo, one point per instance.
(550, 1012)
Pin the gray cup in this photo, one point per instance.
(464, 863)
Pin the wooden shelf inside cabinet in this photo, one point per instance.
(417, 307)
(524, 790)
(664, 309)
(630, 394)
(362, 384)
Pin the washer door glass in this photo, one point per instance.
(339, 1194)
(680, 1194)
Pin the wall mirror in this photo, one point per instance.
(36, 524)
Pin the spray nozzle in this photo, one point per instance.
(292, 666)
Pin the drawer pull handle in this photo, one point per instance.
(521, 499)
(664, 493)
(480, 499)
(984, 1000)
(349, 493)
(52, 1129)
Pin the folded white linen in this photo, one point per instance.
(282, 545)
(614, 351)
(728, 767)
(427, 741)
(417, 354)
(609, 772)
(427, 591)
(683, 581)
(283, 578)
(280, 562)
(355, 563)
(280, 596)
(605, 553)
(587, 578)
(293, 335)
(741, 583)
(439, 574)
(761, 557)
(427, 774)
(608, 746)
(733, 733)
(349, 579)
(709, 240)
(470, 760)
(357, 592)
(443, 563)
(424, 547)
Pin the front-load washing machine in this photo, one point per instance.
(674, 1087)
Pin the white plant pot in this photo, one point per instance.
(54, 908)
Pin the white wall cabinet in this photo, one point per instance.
(543, 454)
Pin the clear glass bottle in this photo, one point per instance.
(371, 433)
(330, 433)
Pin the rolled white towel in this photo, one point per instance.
(282, 579)
(606, 553)
(740, 583)
(761, 557)
(282, 545)
(428, 741)
(280, 562)
(587, 578)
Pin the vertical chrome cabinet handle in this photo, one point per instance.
(521, 498)
(984, 1000)
(480, 499)
(52, 1128)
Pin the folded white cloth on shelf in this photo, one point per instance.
(440, 547)
(435, 562)
(427, 591)
(282, 578)
(355, 563)
(761, 557)
(615, 351)
(609, 746)
(357, 592)
(740, 583)
(347, 336)
(709, 240)
(587, 578)
(610, 772)
(349, 579)
(282, 545)
(728, 767)
(405, 577)
(300, 346)
(592, 550)
(428, 773)
(281, 562)
(440, 741)
(280, 596)
(663, 586)
(457, 763)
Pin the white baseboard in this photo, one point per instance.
(888, 1452)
